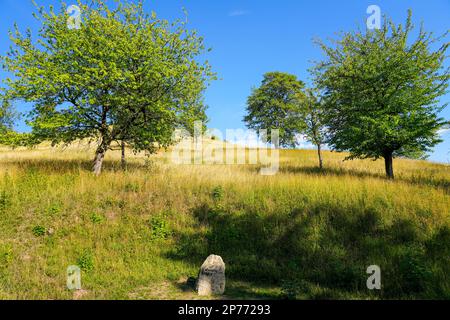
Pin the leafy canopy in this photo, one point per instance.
(382, 91)
(7, 116)
(124, 75)
(276, 104)
(312, 115)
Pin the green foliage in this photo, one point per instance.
(382, 92)
(97, 218)
(111, 202)
(414, 271)
(16, 139)
(276, 104)
(124, 75)
(54, 209)
(312, 120)
(86, 261)
(217, 193)
(4, 200)
(280, 103)
(7, 116)
(6, 255)
(312, 117)
(39, 231)
(159, 227)
(439, 245)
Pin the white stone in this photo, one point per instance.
(211, 278)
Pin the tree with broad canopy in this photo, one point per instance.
(382, 92)
(123, 76)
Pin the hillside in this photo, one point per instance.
(140, 234)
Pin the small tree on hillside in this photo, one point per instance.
(123, 75)
(312, 117)
(276, 104)
(382, 92)
(7, 118)
(281, 103)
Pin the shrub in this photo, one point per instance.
(86, 261)
(159, 227)
(414, 271)
(97, 218)
(39, 231)
(54, 209)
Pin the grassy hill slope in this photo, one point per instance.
(301, 233)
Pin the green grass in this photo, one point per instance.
(140, 234)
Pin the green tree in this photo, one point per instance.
(382, 91)
(123, 76)
(7, 115)
(312, 115)
(276, 104)
(7, 118)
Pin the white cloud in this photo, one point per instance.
(303, 143)
(237, 13)
(443, 131)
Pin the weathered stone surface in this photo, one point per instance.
(211, 278)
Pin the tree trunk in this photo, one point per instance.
(388, 162)
(319, 153)
(99, 157)
(123, 160)
(104, 143)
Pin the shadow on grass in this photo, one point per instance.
(69, 165)
(340, 172)
(237, 290)
(321, 253)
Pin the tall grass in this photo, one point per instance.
(302, 233)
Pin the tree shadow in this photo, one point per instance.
(438, 182)
(320, 253)
(63, 166)
(311, 170)
(234, 290)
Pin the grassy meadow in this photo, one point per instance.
(143, 233)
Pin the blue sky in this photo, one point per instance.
(251, 37)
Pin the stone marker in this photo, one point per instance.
(211, 278)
